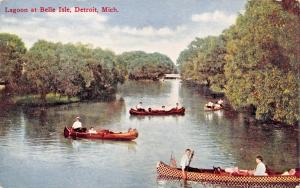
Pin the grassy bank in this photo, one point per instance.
(51, 99)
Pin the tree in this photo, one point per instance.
(104, 73)
(71, 70)
(41, 68)
(263, 61)
(12, 51)
(204, 61)
(72, 75)
(140, 65)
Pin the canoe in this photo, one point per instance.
(173, 111)
(213, 109)
(219, 176)
(102, 134)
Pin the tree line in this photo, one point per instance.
(255, 62)
(140, 65)
(72, 69)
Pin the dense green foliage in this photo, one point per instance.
(12, 50)
(141, 65)
(73, 70)
(203, 61)
(262, 60)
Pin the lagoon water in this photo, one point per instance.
(34, 152)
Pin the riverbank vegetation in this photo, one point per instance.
(139, 65)
(51, 99)
(255, 62)
(70, 70)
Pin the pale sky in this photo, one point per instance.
(165, 26)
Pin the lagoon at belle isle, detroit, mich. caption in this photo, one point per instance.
(63, 9)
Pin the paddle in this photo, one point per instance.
(192, 155)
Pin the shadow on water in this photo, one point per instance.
(43, 125)
(85, 143)
(172, 183)
(149, 117)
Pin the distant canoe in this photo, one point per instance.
(173, 111)
(102, 134)
(219, 176)
(213, 108)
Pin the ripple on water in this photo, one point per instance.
(32, 144)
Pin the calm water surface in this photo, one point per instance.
(34, 153)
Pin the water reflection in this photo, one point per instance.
(145, 89)
(149, 117)
(242, 142)
(78, 143)
(172, 183)
(32, 138)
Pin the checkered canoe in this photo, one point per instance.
(166, 171)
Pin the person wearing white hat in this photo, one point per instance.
(77, 125)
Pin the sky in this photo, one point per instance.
(164, 26)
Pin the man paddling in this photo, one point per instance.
(185, 162)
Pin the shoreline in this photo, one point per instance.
(57, 100)
(251, 120)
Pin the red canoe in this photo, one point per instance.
(219, 176)
(102, 134)
(173, 111)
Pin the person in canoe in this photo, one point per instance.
(260, 169)
(177, 107)
(185, 162)
(139, 107)
(291, 172)
(219, 104)
(210, 105)
(77, 125)
(92, 130)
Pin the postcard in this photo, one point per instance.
(139, 93)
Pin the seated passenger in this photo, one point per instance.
(291, 172)
(232, 170)
(236, 171)
(77, 125)
(217, 106)
(139, 107)
(260, 168)
(210, 105)
(220, 102)
(177, 106)
(92, 130)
